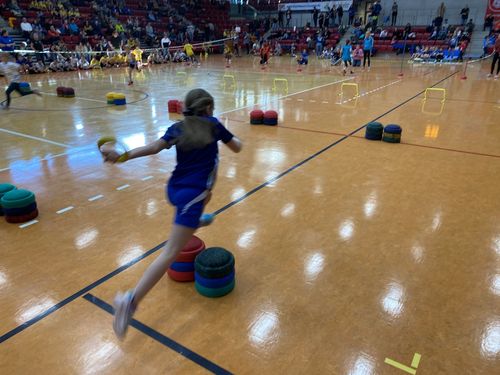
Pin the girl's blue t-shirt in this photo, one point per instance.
(368, 44)
(198, 167)
(346, 52)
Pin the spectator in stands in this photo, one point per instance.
(6, 42)
(464, 14)
(407, 31)
(165, 45)
(26, 28)
(352, 13)
(376, 10)
(340, 13)
(73, 28)
(280, 17)
(246, 42)
(394, 13)
(52, 35)
(288, 17)
(14, 8)
(488, 22)
(315, 13)
(384, 34)
(470, 26)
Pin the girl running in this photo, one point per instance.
(189, 189)
(346, 56)
(132, 65)
(11, 71)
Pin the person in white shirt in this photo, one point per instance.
(11, 71)
(165, 45)
(26, 28)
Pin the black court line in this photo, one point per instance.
(162, 339)
(88, 288)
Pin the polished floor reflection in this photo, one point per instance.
(348, 252)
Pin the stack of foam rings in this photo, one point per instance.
(183, 267)
(256, 117)
(214, 272)
(374, 131)
(175, 106)
(4, 189)
(392, 133)
(19, 206)
(270, 118)
(25, 88)
(65, 92)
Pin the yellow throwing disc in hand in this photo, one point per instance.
(114, 145)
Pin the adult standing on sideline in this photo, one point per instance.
(464, 13)
(340, 14)
(288, 17)
(352, 13)
(315, 16)
(394, 13)
(496, 58)
(367, 49)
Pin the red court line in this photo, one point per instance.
(403, 143)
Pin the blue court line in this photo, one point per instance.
(88, 288)
(162, 339)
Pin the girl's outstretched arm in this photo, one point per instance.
(150, 149)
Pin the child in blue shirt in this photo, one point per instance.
(346, 55)
(304, 58)
(189, 189)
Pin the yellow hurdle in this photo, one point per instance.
(284, 81)
(230, 78)
(425, 108)
(349, 84)
(436, 89)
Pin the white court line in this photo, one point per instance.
(122, 187)
(65, 210)
(369, 92)
(146, 178)
(28, 224)
(34, 138)
(163, 170)
(300, 100)
(312, 101)
(324, 102)
(96, 197)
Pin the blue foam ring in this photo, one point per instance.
(20, 211)
(393, 129)
(120, 101)
(270, 122)
(182, 267)
(214, 283)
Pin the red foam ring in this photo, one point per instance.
(180, 276)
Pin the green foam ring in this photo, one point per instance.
(215, 292)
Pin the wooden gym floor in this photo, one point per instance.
(349, 253)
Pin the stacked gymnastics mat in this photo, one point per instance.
(214, 272)
(19, 206)
(4, 189)
(183, 268)
(374, 131)
(175, 106)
